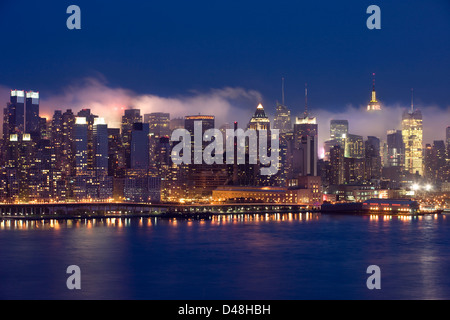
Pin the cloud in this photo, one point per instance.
(110, 103)
(227, 105)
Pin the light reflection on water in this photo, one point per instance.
(120, 222)
(235, 256)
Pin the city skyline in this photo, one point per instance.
(234, 104)
(197, 49)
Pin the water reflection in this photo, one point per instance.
(57, 224)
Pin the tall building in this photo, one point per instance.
(396, 149)
(81, 145)
(130, 117)
(339, 131)
(373, 105)
(306, 140)
(177, 123)
(372, 158)
(159, 123)
(447, 136)
(32, 113)
(100, 147)
(412, 132)
(438, 162)
(140, 146)
(259, 120)
(14, 114)
(354, 146)
(282, 120)
(336, 165)
(86, 113)
(68, 143)
(115, 155)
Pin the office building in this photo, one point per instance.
(412, 132)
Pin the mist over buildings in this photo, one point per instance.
(227, 105)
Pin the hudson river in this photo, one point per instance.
(288, 256)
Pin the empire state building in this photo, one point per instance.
(374, 105)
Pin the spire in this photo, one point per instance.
(306, 100)
(374, 94)
(373, 85)
(412, 100)
(282, 91)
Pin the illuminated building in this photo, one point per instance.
(159, 123)
(396, 149)
(81, 145)
(32, 113)
(14, 114)
(159, 126)
(139, 146)
(267, 194)
(447, 136)
(435, 162)
(176, 123)
(391, 206)
(374, 105)
(259, 120)
(282, 120)
(336, 165)
(327, 145)
(200, 179)
(20, 158)
(115, 154)
(412, 132)
(306, 142)
(372, 159)
(90, 118)
(68, 143)
(339, 131)
(354, 146)
(100, 139)
(130, 117)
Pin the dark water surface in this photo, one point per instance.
(289, 256)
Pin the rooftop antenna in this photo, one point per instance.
(373, 84)
(306, 99)
(282, 91)
(412, 100)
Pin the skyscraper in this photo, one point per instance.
(396, 149)
(259, 120)
(81, 145)
(372, 158)
(447, 136)
(130, 117)
(140, 146)
(412, 132)
(339, 131)
(282, 120)
(306, 140)
(354, 146)
(100, 139)
(32, 113)
(373, 105)
(159, 123)
(14, 114)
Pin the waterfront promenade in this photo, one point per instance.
(119, 209)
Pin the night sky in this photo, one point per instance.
(171, 48)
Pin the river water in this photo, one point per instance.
(281, 257)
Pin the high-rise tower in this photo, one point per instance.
(373, 105)
(412, 132)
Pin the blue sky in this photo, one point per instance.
(171, 48)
